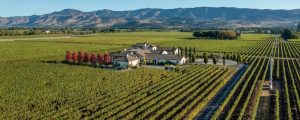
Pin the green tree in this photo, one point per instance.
(185, 52)
(288, 34)
(298, 27)
(193, 58)
(194, 50)
(224, 59)
(214, 60)
(181, 51)
(205, 57)
(173, 50)
(190, 53)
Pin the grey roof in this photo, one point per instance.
(156, 52)
(163, 56)
(128, 58)
(131, 58)
(121, 59)
(142, 53)
(142, 45)
(118, 54)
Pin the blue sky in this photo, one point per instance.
(31, 7)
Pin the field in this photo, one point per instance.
(35, 85)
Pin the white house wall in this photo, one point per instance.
(176, 52)
(134, 63)
(165, 52)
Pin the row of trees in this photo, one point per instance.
(288, 34)
(6, 32)
(40, 31)
(298, 27)
(86, 58)
(189, 53)
(236, 57)
(71, 31)
(231, 35)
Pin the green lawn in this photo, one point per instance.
(255, 37)
(183, 39)
(34, 51)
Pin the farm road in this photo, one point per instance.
(214, 104)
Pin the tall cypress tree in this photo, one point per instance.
(190, 53)
(214, 60)
(173, 50)
(224, 59)
(205, 58)
(193, 58)
(185, 52)
(181, 51)
(194, 50)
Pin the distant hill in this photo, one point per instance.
(201, 17)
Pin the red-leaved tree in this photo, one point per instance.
(74, 57)
(93, 59)
(68, 56)
(107, 58)
(86, 58)
(80, 57)
(99, 59)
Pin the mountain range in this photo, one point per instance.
(200, 17)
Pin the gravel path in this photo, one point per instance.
(214, 104)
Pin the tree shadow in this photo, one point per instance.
(78, 64)
(189, 38)
(51, 61)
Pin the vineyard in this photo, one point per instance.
(188, 92)
(34, 85)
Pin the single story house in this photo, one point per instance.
(153, 54)
(158, 59)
